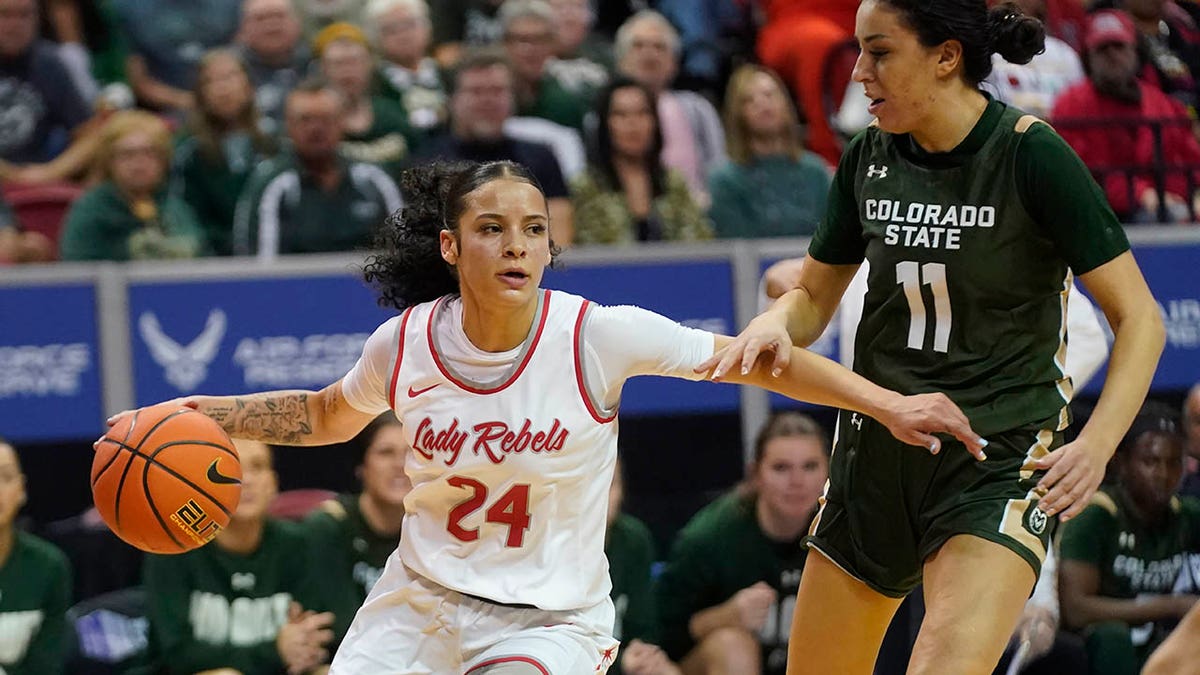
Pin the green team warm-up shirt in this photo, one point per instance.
(210, 608)
(719, 552)
(970, 253)
(350, 555)
(35, 591)
(1132, 559)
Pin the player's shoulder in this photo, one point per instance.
(44, 553)
(1188, 506)
(727, 513)
(283, 534)
(632, 528)
(1103, 506)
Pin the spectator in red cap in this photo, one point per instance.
(1110, 120)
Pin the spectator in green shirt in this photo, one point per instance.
(727, 592)
(529, 42)
(400, 31)
(220, 146)
(1122, 555)
(311, 198)
(375, 129)
(245, 600)
(354, 535)
(771, 186)
(35, 585)
(130, 214)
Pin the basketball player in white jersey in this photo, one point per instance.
(508, 394)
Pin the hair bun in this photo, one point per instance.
(1015, 36)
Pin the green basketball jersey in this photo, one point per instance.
(35, 590)
(969, 273)
(349, 553)
(210, 608)
(1133, 559)
(719, 552)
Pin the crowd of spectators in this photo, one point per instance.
(280, 112)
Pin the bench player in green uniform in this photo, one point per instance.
(1122, 556)
(350, 537)
(974, 218)
(35, 585)
(244, 602)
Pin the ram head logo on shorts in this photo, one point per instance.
(1037, 520)
(184, 366)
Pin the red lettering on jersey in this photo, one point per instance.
(496, 440)
(447, 441)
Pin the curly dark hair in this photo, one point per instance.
(409, 268)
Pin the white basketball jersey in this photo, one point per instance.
(510, 477)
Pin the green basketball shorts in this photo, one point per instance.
(888, 506)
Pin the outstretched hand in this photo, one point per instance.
(915, 420)
(767, 332)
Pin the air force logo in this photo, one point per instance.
(184, 366)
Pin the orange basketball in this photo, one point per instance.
(166, 479)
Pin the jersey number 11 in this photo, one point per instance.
(910, 274)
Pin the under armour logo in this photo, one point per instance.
(242, 581)
(185, 367)
(856, 421)
(790, 579)
(880, 172)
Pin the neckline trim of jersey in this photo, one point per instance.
(504, 381)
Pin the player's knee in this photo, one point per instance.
(726, 651)
(509, 668)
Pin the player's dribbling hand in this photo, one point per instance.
(753, 604)
(914, 420)
(185, 402)
(1073, 472)
(767, 332)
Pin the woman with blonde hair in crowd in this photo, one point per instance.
(130, 214)
(626, 195)
(220, 146)
(771, 186)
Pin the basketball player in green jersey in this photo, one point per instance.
(35, 585)
(974, 217)
(1122, 557)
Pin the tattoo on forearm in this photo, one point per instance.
(273, 418)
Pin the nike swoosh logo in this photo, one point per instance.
(218, 477)
(413, 393)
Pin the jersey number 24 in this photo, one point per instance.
(511, 509)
